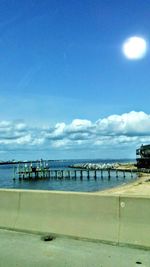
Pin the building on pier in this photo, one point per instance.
(143, 157)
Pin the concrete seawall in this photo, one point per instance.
(119, 219)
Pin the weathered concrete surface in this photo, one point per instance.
(117, 216)
(79, 215)
(134, 211)
(120, 216)
(74, 214)
(134, 221)
(27, 250)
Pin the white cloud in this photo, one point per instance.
(131, 128)
(60, 143)
(79, 125)
(128, 123)
(24, 139)
(20, 126)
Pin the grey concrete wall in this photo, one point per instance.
(106, 218)
(135, 220)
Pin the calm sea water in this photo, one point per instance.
(85, 185)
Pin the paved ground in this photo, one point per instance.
(25, 250)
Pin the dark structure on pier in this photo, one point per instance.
(143, 157)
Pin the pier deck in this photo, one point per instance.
(47, 173)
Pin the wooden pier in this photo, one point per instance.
(43, 172)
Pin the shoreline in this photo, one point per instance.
(139, 187)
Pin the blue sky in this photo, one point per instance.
(62, 71)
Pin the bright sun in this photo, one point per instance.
(134, 48)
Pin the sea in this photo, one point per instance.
(78, 185)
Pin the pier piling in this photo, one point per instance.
(81, 175)
(42, 171)
(95, 175)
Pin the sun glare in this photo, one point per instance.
(135, 48)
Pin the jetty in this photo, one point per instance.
(42, 171)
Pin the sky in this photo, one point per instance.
(67, 89)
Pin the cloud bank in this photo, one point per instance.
(131, 128)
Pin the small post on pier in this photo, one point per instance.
(101, 173)
(69, 176)
(95, 177)
(131, 174)
(19, 171)
(75, 174)
(30, 170)
(14, 173)
(25, 173)
(108, 174)
(124, 174)
(60, 174)
(29, 173)
(88, 174)
(65, 174)
(37, 174)
(81, 174)
(117, 174)
(51, 174)
(42, 171)
(56, 176)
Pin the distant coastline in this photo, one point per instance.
(80, 161)
(18, 162)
